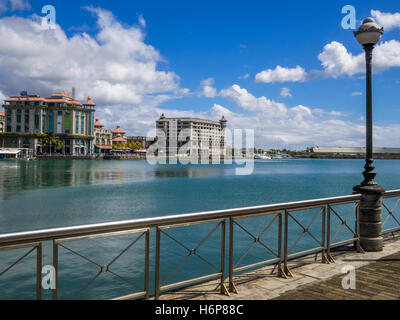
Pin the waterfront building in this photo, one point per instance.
(352, 150)
(202, 137)
(118, 139)
(102, 138)
(118, 132)
(2, 121)
(146, 142)
(118, 135)
(29, 117)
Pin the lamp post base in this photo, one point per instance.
(370, 218)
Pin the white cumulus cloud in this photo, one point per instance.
(114, 66)
(387, 20)
(282, 74)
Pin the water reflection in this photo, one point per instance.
(192, 171)
(16, 176)
(19, 176)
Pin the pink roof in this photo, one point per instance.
(118, 130)
(103, 147)
(66, 99)
(62, 93)
(98, 123)
(89, 102)
(119, 139)
(2, 113)
(50, 100)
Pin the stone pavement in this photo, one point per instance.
(377, 277)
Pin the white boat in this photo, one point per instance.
(262, 157)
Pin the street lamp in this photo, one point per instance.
(370, 216)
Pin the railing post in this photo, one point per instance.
(358, 242)
(281, 273)
(39, 272)
(157, 277)
(55, 265)
(286, 235)
(147, 264)
(323, 257)
(223, 289)
(232, 287)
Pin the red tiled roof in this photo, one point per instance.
(103, 147)
(2, 113)
(118, 130)
(61, 94)
(98, 123)
(119, 139)
(89, 102)
(55, 97)
(50, 100)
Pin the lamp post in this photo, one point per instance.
(370, 216)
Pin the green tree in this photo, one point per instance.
(52, 139)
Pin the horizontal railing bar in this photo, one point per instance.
(186, 282)
(189, 224)
(131, 296)
(391, 230)
(257, 215)
(257, 264)
(20, 246)
(341, 243)
(391, 193)
(84, 230)
(100, 235)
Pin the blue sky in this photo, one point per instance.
(184, 43)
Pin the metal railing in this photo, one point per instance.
(289, 217)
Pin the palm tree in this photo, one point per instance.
(52, 139)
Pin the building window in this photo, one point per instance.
(67, 122)
(37, 120)
(59, 122)
(43, 120)
(51, 121)
(77, 122)
(90, 124)
(82, 123)
(8, 120)
(19, 120)
(26, 127)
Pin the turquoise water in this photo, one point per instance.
(44, 194)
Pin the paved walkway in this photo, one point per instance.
(377, 277)
(376, 281)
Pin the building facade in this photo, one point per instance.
(146, 142)
(102, 138)
(2, 121)
(204, 138)
(29, 117)
(118, 135)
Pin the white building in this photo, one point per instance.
(199, 137)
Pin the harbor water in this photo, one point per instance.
(46, 194)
